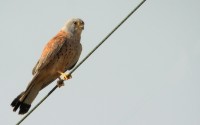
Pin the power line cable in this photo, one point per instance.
(81, 62)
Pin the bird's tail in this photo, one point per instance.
(23, 101)
(16, 103)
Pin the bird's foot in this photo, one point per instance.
(65, 76)
(60, 83)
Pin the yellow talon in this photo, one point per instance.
(65, 76)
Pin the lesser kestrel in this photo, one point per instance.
(59, 55)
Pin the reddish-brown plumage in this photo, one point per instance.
(51, 49)
(58, 39)
(59, 55)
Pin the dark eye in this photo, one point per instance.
(75, 22)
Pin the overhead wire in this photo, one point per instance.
(82, 61)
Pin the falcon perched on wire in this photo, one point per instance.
(59, 55)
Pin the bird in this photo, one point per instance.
(59, 55)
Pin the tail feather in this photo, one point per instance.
(16, 103)
(16, 100)
(24, 108)
(23, 101)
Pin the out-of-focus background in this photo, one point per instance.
(147, 72)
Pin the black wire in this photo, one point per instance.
(79, 64)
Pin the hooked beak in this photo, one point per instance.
(81, 27)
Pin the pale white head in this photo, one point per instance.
(73, 26)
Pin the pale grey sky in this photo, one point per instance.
(147, 72)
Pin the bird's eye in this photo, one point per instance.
(75, 22)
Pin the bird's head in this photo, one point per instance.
(74, 26)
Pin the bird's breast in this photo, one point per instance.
(68, 56)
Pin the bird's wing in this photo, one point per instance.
(35, 67)
(50, 51)
(72, 66)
